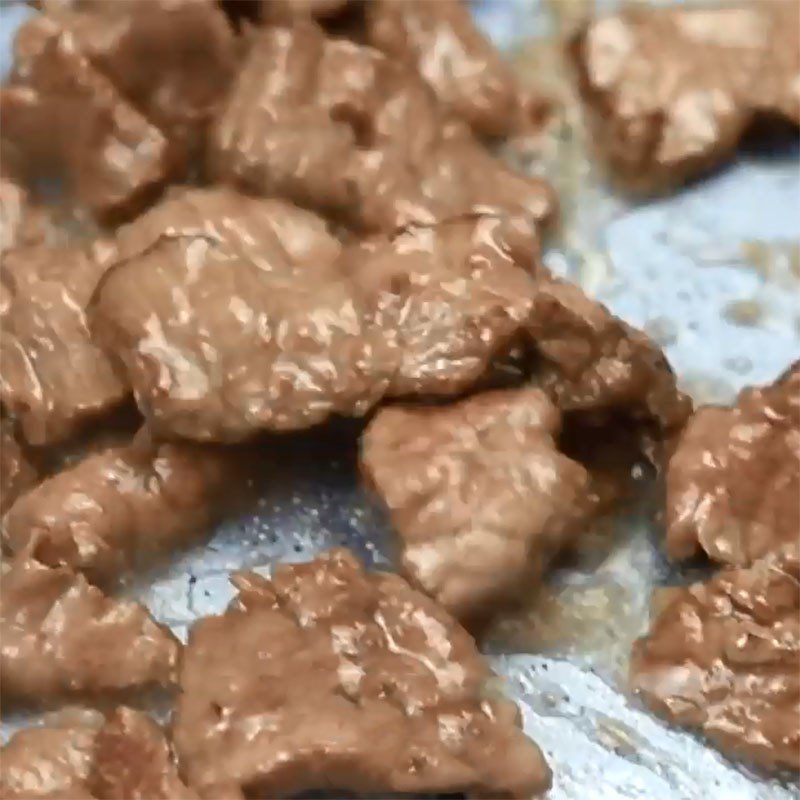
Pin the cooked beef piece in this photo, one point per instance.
(122, 506)
(724, 657)
(221, 339)
(278, 235)
(590, 361)
(465, 71)
(671, 91)
(327, 677)
(53, 378)
(64, 117)
(220, 344)
(21, 221)
(733, 482)
(17, 474)
(446, 299)
(123, 756)
(172, 59)
(478, 492)
(287, 10)
(304, 102)
(59, 635)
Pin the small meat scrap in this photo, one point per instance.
(84, 755)
(478, 492)
(114, 160)
(17, 474)
(287, 10)
(587, 360)
(173, 60)
(219, 343)
(724, 657)
(441, 41)
(329, 677)
(61, 636)
(671, 91)
(733, 482)
(123, 506)
(304, 101)
(54, 379)
(448, 298)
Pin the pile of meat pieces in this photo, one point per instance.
(347, 242)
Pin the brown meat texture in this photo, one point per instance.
(446, 299)
(122, 507)
(588, 360)
(287, 10)
(478, 493)
(724, 657)
(54, 379)
(441, 42)
(222, 340)
(173, 60)
(733, 482)
(60, 636)
(327, 677)
(22, 222)
(671, 91)
(82, 755)
(17, 473)
(113, 159)
(303, 102)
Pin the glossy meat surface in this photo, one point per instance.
(113, 158)
(671, 91)
(329, 677)
(54, 378)
(221, 341)
(733, 483)
(120, 507)
(724, 657)
(60, 636)
(288, 119)
(17, 474)
(441, 42)
(78, 755)
(478, 493)
(21, 222)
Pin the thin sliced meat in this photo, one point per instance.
(329, 677)
(60, 636)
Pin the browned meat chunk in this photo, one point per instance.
(120, 507)
(17, 474)
(304, 102)
(446, 299)
(112, 157)
(59, 636)
(478, 492)
(590, 361)
(329, 677)
(441, 41)
(172, 59)
(671, 91)
(724, 657)
(218, 346)
(84, 756)
(733, 483)
(53, 377)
